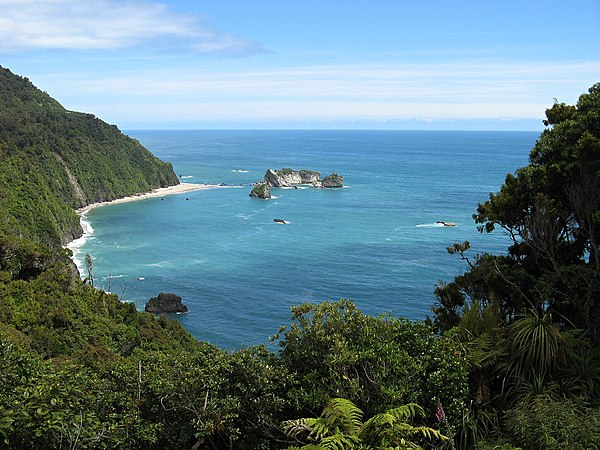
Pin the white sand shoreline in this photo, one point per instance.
(160, 192)
(77, 243)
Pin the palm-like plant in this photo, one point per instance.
(538, 345)
(340, 427)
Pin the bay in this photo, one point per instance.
(375, 241)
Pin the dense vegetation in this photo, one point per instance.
(530, 319)
(53, 160)
(509, 358)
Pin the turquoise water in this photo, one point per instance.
(374, 241)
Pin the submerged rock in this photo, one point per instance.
(165, 303)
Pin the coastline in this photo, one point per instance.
(76, 244)
(159, 192)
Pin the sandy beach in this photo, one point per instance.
(160, 192)
(76, 244)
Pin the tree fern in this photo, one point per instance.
(339, 417)
(340, 427)
(343, 415)
(391, 428)
(340, 442)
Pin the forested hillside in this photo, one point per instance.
(510, 359)
(53, 160)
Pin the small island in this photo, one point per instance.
(289, 178)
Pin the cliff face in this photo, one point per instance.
(53, 160)
(289, 177)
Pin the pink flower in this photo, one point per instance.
(440, 415)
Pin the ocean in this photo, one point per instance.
(374, 241)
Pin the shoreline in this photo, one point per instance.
(159, 192)
(77, 243)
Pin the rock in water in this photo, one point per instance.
(261, 190)
(165, 303)
(333, 181)
(288, 177)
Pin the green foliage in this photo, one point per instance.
(340, 426)
(375, 362)
(551, 209)
(537, 345)
(529, 320)
(43, 408)
(340, 417)
(53, 160)
(544, 423)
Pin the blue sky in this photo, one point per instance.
(377, 64)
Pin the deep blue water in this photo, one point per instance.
(374, 241)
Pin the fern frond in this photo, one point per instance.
(342, 414)
(300, 427)
(428, 433)
(407, 411)
(340, 442)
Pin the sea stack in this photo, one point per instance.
(261, 190)
(333, 181)
(165, 303)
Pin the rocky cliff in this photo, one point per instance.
(288, 177)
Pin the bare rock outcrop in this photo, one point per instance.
(288, 177)
(165, 303)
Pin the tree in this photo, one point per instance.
(376, 362)
(551, 210)
(89, 267)
(529, 320)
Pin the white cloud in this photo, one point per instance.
(107, 24)
(381, 92)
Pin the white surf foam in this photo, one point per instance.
(110, 277)
(76, 244)
(160, 264)
(430, 225)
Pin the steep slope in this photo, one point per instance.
(53, 160)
